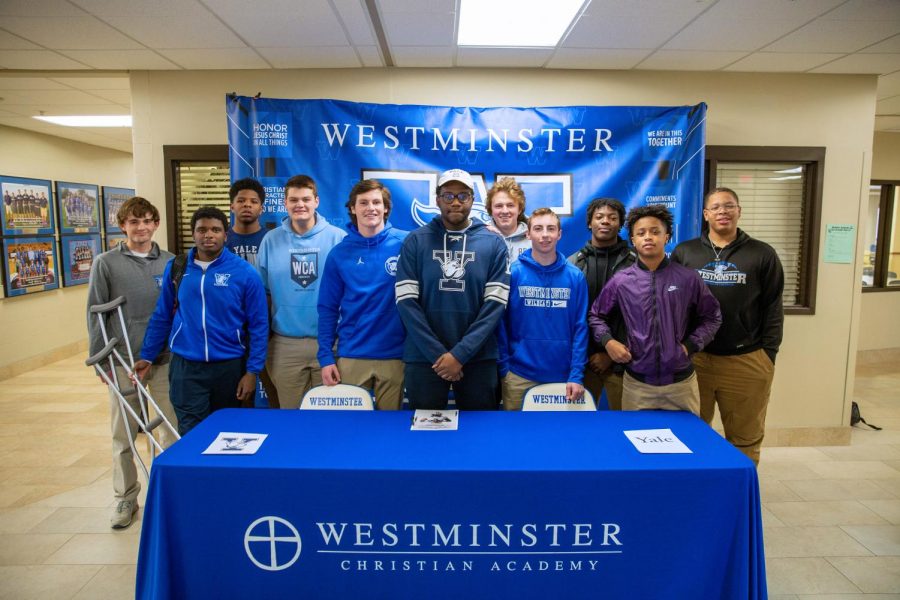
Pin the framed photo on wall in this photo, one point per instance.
(78, 253)
(30, 265)
(113, 199)
(79, 207)
(27, 206)
(112, 240)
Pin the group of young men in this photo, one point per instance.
(487, 310)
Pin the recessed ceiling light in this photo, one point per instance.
(515, 23)
(89, 120)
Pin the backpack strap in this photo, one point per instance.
(179, 265)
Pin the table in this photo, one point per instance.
(349, 504)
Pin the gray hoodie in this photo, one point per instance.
(116, 273)
(517, 242)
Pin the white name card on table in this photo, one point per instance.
(236, 443)
(435, 420)
(656, 441)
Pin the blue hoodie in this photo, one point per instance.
(356, 298)
(451, 289)
(543, 336)
(216, 309)
(289, 265)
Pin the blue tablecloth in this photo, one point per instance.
(512, 505)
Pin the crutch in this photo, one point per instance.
(112, 358)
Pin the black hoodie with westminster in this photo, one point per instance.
(747, 279)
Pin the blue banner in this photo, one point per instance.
(563, 157)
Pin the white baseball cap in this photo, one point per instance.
(456, 175)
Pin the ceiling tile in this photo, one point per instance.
(143, 8)
(9, 41)
(216, 58)
(503, 57)
(715, 35)
(862, 63)
(122, 59)
(688, 60)
(370, 56)
(602, 31)
(590, 58)
(891, 44)
(121, 97)
(436, 8)
(281, 24)
(37, 59)
(356, 20)
(793, 12)
(57, 97)
(35, 108)
(92, 82)
(890, 106)
(683, 10)
(325, 57)
(417, 29)
(70, 33)
(423, 56)
(39, 8)
(14, 82)
(178, 33)
(781, 62)
(888, 85)
(869, 10)
(834, 36)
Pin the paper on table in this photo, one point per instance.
(236, 443)
(435, 420)
(656, 441)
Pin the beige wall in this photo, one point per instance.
(879, 325)
(815, 366)
(37, 324)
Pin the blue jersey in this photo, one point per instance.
(356, 298)
(543, 335)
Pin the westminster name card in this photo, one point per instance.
(236, 443)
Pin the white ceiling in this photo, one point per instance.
(72, 56)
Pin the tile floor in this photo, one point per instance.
(831, 514)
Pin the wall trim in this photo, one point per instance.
(33, 362)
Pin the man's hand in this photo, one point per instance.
(618, 351)
(246, 387)
(331, 375)
(683, 347)
(599, 362)
(141, 368)
(447, 367)
(574, 391)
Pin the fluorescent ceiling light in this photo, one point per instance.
(515, 23)
(794, 170)
(89, 120)
(786, 177)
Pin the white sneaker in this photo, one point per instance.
(123, 514)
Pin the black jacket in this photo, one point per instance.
(748, 281)
(598, 266)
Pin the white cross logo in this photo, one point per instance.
(266, 556)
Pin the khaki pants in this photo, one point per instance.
(385, 377)
(293, 367)
(513, 388)
(683, 395)
(124, 472)
(740, 385)
(608, 380)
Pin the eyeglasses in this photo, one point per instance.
(463, 197)
(730, 207)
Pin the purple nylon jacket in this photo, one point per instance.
(662, 309)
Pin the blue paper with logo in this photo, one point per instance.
(563, 157)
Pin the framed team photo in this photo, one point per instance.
(27, 206)
(113, 199)
(79, 207)
(113, 239)
(30, 265)
(78, 253)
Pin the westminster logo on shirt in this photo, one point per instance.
(453, 267)
(720, 272)
(305, 268)
(222, 279)
(544, 297)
